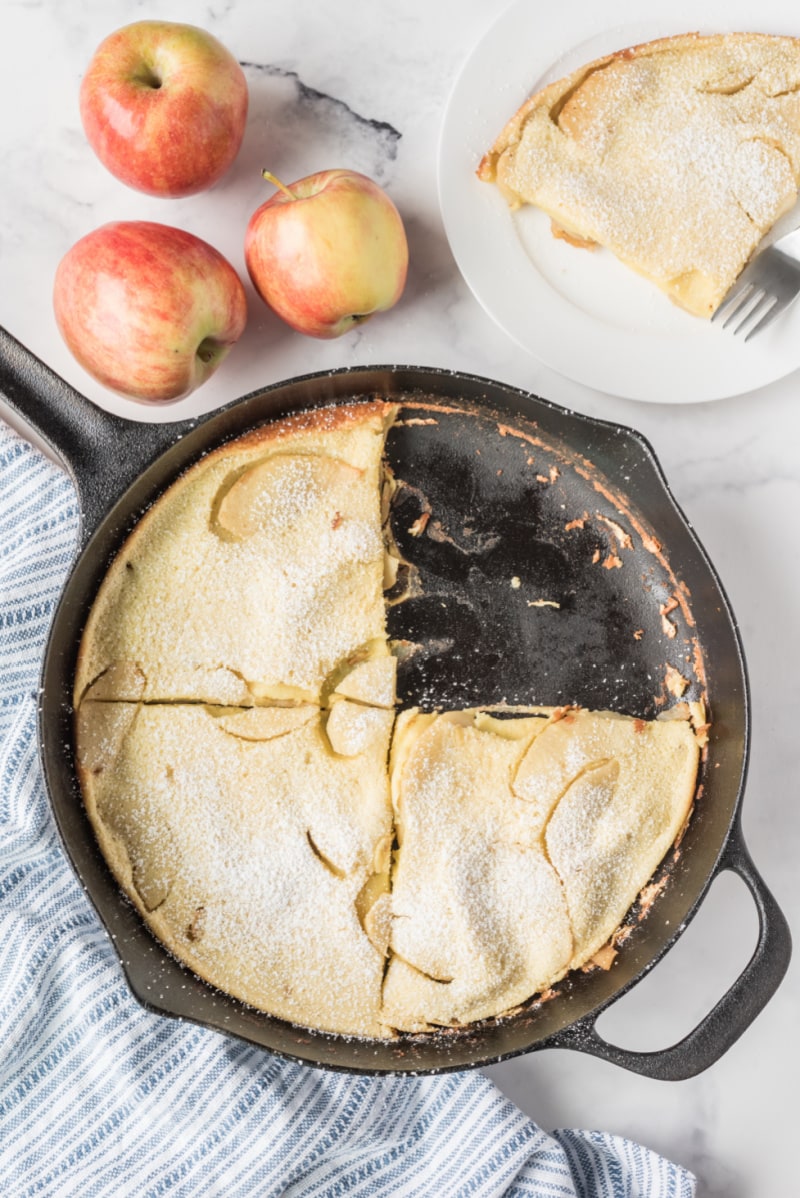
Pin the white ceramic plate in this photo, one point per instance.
(585, 314)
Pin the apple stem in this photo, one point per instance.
(268, 175)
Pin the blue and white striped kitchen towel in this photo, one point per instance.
(101, 1098)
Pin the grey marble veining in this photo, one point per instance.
(364, 85)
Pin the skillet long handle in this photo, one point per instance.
(734, 1012)
(102, 453)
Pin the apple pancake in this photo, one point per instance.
(677, 155)
(522, 843)
(255, 852)
(287, 835)
(257, 577)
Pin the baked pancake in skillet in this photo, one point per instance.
(281, 830)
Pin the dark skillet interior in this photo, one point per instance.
(536, 588)
(516, 489)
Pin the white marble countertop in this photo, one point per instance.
(364, 85)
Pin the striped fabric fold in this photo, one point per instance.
(99, 1097)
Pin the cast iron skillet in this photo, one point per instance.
(596, 590)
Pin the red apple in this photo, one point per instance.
(150, 311)
(164, 107)
(327, 252)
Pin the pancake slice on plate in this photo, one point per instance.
(677, 155)
(256, 853)
(522, 842)
(257, 577)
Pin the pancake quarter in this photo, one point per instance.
(522, 844)
(252, 850)
(256, 577)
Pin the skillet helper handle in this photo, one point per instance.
(734, 1012)
(102, 453)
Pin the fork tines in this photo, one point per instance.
(764, 290)
(749, 305)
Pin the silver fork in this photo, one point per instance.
(764, 289)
